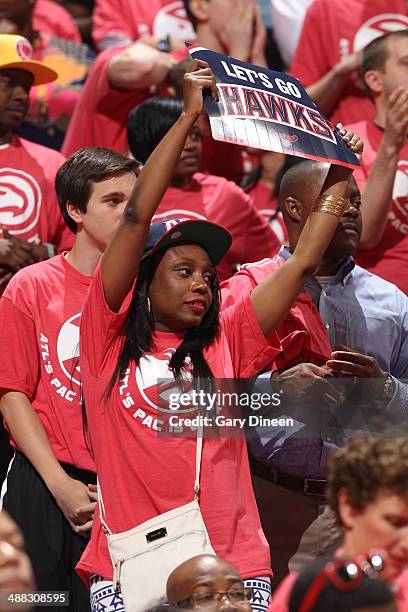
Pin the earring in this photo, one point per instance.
(149, 310)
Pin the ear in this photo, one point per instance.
(200, 10)
(74, 212)
(293, 209)
(374, 81)
(348, 514)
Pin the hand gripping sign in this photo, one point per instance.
(269, 110)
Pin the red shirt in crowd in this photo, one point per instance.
(142, 473)
(128, 20)
(389, 259)
(221, 201)
(28, 204)
(267, 206)
(101, 117)
(281, 597)
(39, 324)
(335, 29)
(51, 17)
(302, 334)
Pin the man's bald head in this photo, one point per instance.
(300, 186)
(303, 182)
(202, 574)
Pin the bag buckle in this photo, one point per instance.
(314, 487)
(116, 576)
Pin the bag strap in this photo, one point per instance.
(199, 449)
(102, 513)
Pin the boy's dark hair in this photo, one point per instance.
(75, 178)
(189, 13)
(369, 592)
(376, 53)
(149, 122)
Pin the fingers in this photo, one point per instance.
(197, 64)
(81, 529)
(352, 140)
(354, 357)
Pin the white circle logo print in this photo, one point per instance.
(378, 26)
(172, 20)
(68, 348)
(156, 381)
(20, 200)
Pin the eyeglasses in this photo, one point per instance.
(345, 575)
(209, 601)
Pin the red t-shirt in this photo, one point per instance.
(281, 597)
(53, 18)
(268, 207)
(221, 201)
(335, 29)
(100, 119)
(142, 474)
(389, 259)
(302, 334)
(39, 324)
(28, 204)
(132, 19)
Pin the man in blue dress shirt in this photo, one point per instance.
(366, 319)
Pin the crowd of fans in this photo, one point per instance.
(136, 249)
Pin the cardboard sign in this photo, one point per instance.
(269, 110)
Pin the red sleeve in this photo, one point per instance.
(109, 18)
(19, 370)
(108, 100)
(244, 281)
(100, 326)
(252, 238)
(280, 599)
(311, 60)
(56, 20)
(250, 350)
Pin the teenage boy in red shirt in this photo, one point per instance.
(49, 487)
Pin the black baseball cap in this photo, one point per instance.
(215, 239)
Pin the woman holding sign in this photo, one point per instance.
(153, 313)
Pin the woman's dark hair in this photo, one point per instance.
(369, 592)
(149, 122)
(139, 326)
(74, 180)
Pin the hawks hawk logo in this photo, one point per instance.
(378, 26)
(172, 19)
(68, 348)
(24, 49)
(156, 382)
(20, 201)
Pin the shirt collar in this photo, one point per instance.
(342, 275)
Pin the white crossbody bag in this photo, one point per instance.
(143, 557)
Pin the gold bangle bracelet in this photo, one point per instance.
(331, 205)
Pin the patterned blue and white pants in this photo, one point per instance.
(104, 598)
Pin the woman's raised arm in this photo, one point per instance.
(120, 262)
(273, 298)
